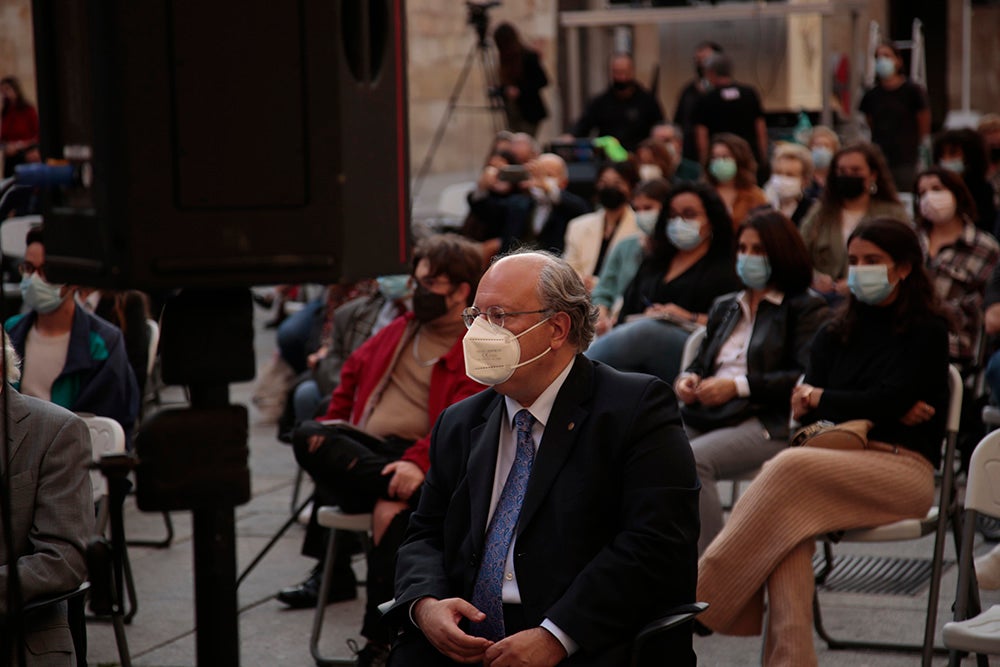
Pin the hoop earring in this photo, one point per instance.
(873, 188)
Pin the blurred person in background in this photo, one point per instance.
(897, 112)
(964, 153)
(732, 171)
(788, 188)
(521, 81)
(689, 96)
(858, 187)
(823, 143)
(18, 125)
(673, 137)
(625, 111)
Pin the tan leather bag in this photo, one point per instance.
(851, 434)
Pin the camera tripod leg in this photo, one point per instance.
(485, 61)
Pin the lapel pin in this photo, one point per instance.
(571, 425)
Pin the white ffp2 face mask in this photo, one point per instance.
(492, 353)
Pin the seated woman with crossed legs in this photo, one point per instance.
(884, 357)
(735, 395)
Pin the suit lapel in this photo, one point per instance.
(17, 426)
(561, 434)
(485, 442)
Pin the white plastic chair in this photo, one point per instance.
(107, 437)
(453, 203)
(335, 519)
(13, 233)
(936, 521)
(981, 633)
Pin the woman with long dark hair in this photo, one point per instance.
(688, 264)
(858, 187)
(521, 81)
(18, 125)
(735, 395)
(884, 358)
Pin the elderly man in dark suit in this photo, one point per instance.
(560, 512)
(52, 515)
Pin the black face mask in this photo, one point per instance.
(995, 154)
(428, 305)
(621, 86)
(610, 198)
(848, 187)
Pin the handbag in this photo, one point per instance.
(729, 413)
(851, 434)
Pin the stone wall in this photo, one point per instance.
(439, 42)
(17, 57)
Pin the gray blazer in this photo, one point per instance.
(52, 511)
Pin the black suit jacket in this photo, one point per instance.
(609, 526)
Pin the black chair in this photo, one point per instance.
(77, 626)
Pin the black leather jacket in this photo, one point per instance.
(777, 354)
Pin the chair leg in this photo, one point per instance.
(133, 598)
(158, 544)
(324, 590)
(296, 490)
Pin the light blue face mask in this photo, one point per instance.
(684, 234)
(723, 169)
(395, 286)
(885, 66)
(753, 270)
(955, 166)
(646, 221)
(822, 156)
(41, 296)
(870, 284)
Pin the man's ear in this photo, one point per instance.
(561, 327)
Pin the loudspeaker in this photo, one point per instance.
(224, 143)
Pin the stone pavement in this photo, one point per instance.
(162, 633)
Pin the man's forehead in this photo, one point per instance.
(511, 281)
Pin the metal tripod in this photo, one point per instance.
(481, 53)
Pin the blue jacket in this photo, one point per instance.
(97, 377)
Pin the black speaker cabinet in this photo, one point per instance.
(222, 143)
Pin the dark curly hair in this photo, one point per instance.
(662, 251)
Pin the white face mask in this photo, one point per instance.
(785, 187)
(938, 206)
(648, 172)
(492, 353)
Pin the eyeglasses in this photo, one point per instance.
(28, 269)
(495, 314)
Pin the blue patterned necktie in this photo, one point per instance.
(487, 595)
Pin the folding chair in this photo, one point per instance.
(936, 521)
(107, 438)
(972, 631)
(335, 519)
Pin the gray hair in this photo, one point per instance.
(12, 362)
(561, 290)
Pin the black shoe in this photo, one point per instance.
(306, 594)
(702, 630)
(372, 655)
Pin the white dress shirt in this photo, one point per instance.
(732, 360)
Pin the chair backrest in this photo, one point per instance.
(982, 490)
(955, 390)
(691, 346)
(106, 437)
(452, 201)
(154, 342)
(13, 232)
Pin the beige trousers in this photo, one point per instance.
(768, 541)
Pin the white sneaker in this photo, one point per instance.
(988, 570)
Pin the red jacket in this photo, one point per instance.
(370, 364)
(19, 124)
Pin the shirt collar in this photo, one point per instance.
(772, 295)
(542, 407)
